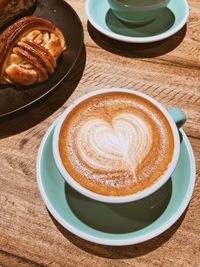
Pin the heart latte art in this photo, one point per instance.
(116, 143)
(117, 146)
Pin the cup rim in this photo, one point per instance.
(116, 199)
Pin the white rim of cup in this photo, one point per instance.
(116, 199)
(128, 39)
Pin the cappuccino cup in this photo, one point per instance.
(137, 11)
(117, 145)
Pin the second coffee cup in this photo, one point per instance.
(137, 11)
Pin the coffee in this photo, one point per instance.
(116, 143)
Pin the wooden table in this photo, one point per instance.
(170, 72)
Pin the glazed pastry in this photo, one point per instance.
(28, 51)
(10, 9)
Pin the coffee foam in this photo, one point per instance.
(116, 143)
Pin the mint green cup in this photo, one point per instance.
(174, 116)
(137, 11)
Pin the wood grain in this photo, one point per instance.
(170, 72)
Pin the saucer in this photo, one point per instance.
(111, 224)
(170, 21)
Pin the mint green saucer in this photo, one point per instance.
(115, 224)
(170, 21)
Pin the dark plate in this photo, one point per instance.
(13, 99)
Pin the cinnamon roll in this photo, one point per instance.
(9, 10)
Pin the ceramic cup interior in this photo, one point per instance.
(137, 11)
(175, 117)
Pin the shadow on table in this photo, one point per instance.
(31, 116)
(120, 252)
(147, 50)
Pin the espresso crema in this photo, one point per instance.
(116, 143)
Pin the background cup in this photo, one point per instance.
(174, 116)
(137, 11)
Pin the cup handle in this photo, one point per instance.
(178, 115)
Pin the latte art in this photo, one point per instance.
(120, 146)
(116, 143)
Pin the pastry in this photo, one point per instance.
(29, 49)
(11, 9)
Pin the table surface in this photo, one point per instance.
(170, 72)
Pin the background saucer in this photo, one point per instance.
(170, 21)
(111, 224)
(13, 99)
